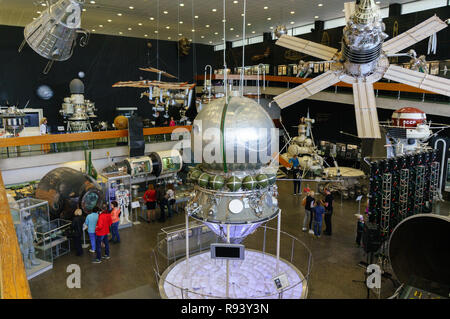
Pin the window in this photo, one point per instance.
(330, 24)
(303, 30)
(219, 47)
(422, 5)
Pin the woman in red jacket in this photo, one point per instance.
(102, 231)
(150, 201)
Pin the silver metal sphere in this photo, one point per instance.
(243, 121)
(280, 30)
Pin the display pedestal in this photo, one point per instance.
(125, 225)
(39, 269)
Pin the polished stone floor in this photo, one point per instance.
(130, 271)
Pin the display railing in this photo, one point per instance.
(382, 89)
(59, 143)
(292, 251)
(13, 278)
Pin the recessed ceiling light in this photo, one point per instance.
(181, 22)
(84, 10)
(43, 4)
(129, 29)
(131, 7)
(249, 24)
(207, 25)
(180, 34)
(139, 23)
(237, 35)
(181, 4)
(119, 14)
(101, 25)
(210, 41)
(93, 30)
(109, 20)
(167, 27)
(92, 2)
(168, 38)
(235, 1)
(292, 22)
(151, 18)
(202, 37)
(271, 28)
(193, 30)
(320, 5)
(265, 8)
(214, 10)
(165, 12)
(196, 17)
(292, 12)
(378, 2)
(242, 14)
(156, 31)
(120, 33)
(38, 12)
(316, 17)
(216, 33)
(269, 19)
(145, 35)
(253, 31)
(231, 29)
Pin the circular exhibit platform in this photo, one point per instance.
(251, 278)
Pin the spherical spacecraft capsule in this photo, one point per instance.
(233, 138)
(249, 182)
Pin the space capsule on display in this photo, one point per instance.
(65, 189)
(235, 189)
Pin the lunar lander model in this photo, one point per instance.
(13, 121)
(77, 111)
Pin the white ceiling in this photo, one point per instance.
(137, 23)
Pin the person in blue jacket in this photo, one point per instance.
(296, 174)
(319, 211)
(90, 223)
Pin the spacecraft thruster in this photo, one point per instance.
(54, 33)
(362, 61)
(13, 121)
(161, 163)
(76, 110)
(233, 193)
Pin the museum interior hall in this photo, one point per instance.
(224, 149)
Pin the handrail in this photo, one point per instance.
(383, 86)
(76, 137)
(13, 278)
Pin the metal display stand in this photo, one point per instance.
(52, 239)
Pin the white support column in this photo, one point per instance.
(278, 240)
(228, 265)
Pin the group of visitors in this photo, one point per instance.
(99, 224)
(161, 197)
(160, 120)
(316, 211)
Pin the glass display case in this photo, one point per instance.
(29, 215)
(52, 240)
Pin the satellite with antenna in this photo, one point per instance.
(363, 60)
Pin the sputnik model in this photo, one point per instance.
(362, 61)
